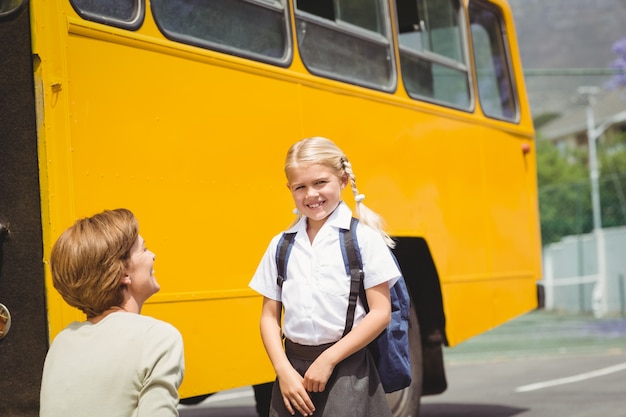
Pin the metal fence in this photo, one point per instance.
(580, 275)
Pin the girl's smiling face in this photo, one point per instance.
(316, 191)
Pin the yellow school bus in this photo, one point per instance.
(183, 110)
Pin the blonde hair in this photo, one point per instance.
(319, 150)
(90, 258)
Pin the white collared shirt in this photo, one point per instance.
(316, 287)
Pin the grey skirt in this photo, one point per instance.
(353, 389)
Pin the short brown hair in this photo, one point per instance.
(90, 257)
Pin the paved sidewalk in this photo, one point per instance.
(543, 333)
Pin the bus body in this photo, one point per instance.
(182, 111)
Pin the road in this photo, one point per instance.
(539, 365)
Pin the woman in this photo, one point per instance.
(117, 362)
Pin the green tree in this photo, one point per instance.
(612, 158)
(564, 196)
(564, 188)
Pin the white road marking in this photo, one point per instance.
(229, 395)
(572, 379)
(243, 393)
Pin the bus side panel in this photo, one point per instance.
(23, 349)
(466, 189)
(195, 149)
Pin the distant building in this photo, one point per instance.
(569, 130)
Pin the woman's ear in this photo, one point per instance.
(125, 280)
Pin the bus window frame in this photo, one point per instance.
(506, 51)
(284, 61)
(386, 40)
(132, 25)
(433, 57)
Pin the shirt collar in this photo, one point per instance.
(340, 218)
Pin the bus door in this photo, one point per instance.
(23, 324)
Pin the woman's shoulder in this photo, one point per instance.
(150, 321)
(140, 322)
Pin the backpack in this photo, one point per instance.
(391, 348)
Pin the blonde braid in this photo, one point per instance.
(363, 212)
(347, 168)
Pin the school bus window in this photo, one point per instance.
(495, 87)
(250, 28)
(432, 51)
(347, 40)
(125, 14)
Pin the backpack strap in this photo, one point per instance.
(354, 267)
(282, 256)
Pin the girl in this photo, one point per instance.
(319, 372)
